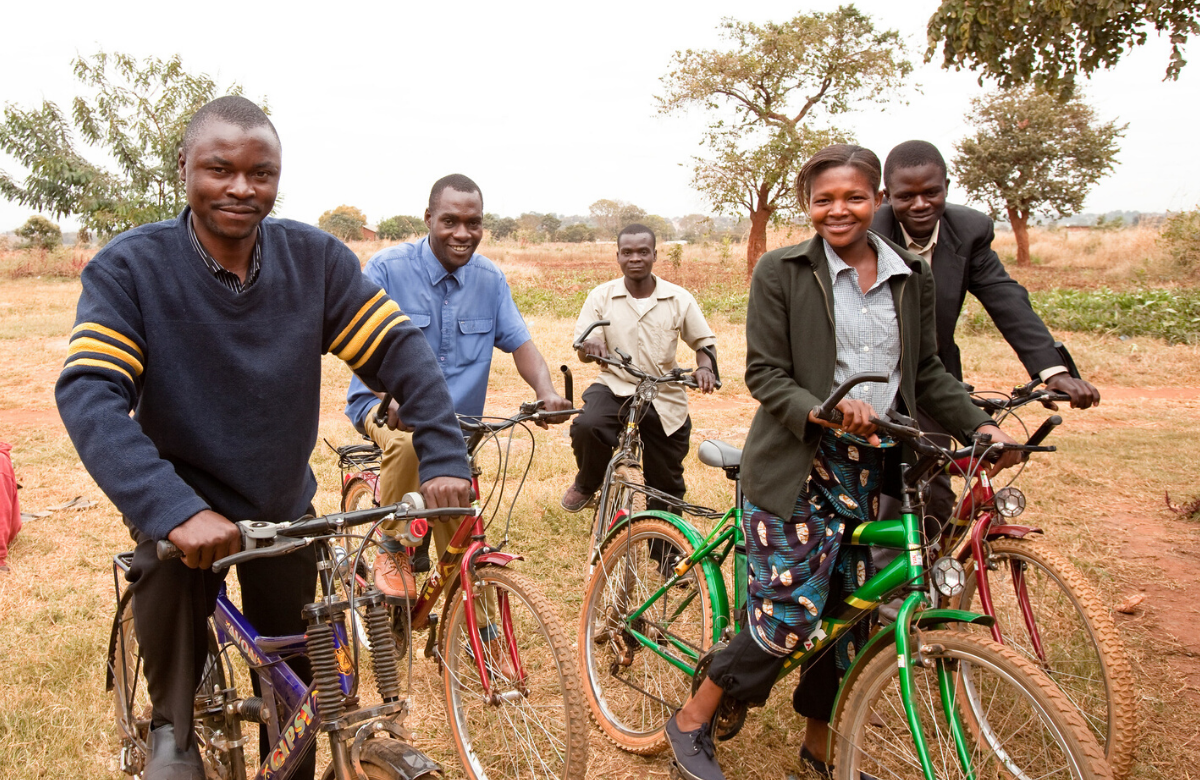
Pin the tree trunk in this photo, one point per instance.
(756, 244)
(1020, 227)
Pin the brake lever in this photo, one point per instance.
(273, 551)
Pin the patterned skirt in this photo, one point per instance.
(793, 561)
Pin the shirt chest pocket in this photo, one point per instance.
(420, 320)
(475, 340)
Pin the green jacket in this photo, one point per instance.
(790, 355)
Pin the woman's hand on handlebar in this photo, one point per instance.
(205, 537)
(1008, 458)
(591, 348)
(441, 492)
(856, 419)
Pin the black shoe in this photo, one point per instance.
(695, 754)
(420, 557)
(167, 762)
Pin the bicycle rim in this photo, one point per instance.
(531, 729)
(1016, 723)
(357, 494)
(1083, 653)
(630, 689)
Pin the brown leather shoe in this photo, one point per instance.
(498, 659)
(575, 499)
(394, 576)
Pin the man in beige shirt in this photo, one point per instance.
(647, 317)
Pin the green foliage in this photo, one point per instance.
(40, 232)
(774, 94)
(400, 227)
(550, 225)
(503, 228)
(1050, 42)
(611, 216)
(1034, 153)
(1171, 315)
(1180, 237)
(577, 233)
(664, 229)
(675, 255)
(345, 222)
(135, 112)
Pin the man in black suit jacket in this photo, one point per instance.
(957, 242)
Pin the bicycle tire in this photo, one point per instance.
(133, 710)
(378, 765)
(1031, 729)
(357, 493)
(540, 732)
(1084, 652)
(634, 720)
(619, 497)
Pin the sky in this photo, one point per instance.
(547, 106)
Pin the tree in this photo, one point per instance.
(1049, 43)
(40, 232)
(577, 233)
(400, 227)
(550, 225)
(345, 222)
(135, 112)
(695, 227)
(664, 229)
(767, 92)
(611, 216)
(505, 228)
(1034, 153)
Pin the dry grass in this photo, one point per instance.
(56, 604)
(1119, 259)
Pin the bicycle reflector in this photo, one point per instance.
(1010, 502)
(948, 576)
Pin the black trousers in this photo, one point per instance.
(171, 608)
(594, 436)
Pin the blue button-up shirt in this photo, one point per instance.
(462, 314)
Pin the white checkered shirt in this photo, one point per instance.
(868, 334)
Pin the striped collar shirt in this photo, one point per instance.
(867, 330)
(223, 275)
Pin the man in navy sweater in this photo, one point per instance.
(211, 327)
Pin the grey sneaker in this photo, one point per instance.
(575, 499)
(695, 753)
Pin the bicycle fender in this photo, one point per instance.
(711, 571)
(496, 558)
(1011, 531)
(884, 638)
(404, 761)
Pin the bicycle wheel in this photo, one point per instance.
(535, 728)
(379, 759)
(1017, 724)
(630, 689)
(214, 730)
(357, 493)
(1081, 649)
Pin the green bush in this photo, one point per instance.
(1171, 315)
(40, 232)
(1181, 239)
(400, 227)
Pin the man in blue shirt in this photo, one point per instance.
(461, 302)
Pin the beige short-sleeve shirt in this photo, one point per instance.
(651, 337)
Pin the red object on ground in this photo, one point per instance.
(10, 505)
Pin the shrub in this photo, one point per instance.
(345, 222)
(40, 232)
(401, 227)
(1181, 239)
(577, 233)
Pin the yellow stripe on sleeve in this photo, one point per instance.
(387, 309)
(375, 342)
(98, 364)
(96, 327)
(361, 312)
(88, 344)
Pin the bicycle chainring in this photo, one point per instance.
(731, 713)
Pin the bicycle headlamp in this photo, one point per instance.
(948, 576)
(1009, 501)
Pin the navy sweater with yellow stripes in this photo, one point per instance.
(225, 388)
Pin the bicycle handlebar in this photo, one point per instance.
(680, 376)
(828, 411)
(260, 539)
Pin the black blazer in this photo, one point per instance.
(963, 261)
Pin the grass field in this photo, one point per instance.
(1100, 499)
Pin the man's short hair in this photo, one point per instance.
(456, 182)
(234, 109)
(636, 229)
(912, 154)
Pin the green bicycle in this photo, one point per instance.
(922, 700)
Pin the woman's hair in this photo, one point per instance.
(836, 156)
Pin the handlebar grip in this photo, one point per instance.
(382, 410)
(583, 336)
(1044, 430)
(825, 410)
(834, 415)
(168, 551)
(568, 385)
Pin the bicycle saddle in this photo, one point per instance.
(716, 453)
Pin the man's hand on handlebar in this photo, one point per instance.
(442, 492)
(1008, 458)
(856, 419)
(205, 537)
(591, 349)
(552, 402)
(705, 378)
(393, 418)
(1083, 393)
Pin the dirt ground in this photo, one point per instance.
(1101, 499)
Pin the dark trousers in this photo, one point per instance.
(171, 608)
(594, 436)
